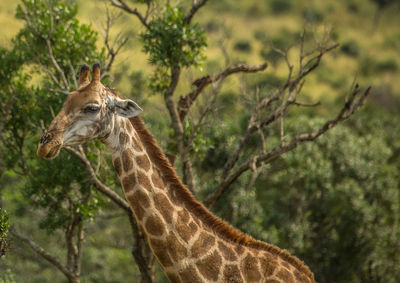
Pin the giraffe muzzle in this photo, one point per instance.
(49, 146)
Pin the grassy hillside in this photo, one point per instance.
(371, 53)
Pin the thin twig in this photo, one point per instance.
(122, 5)
(42, 252)
(186, 102)
(352, 104)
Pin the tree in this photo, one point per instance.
(54, 42)
(228, 140)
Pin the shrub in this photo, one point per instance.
(312, 15)
(350, 48)
(281, 6)
(243, 46)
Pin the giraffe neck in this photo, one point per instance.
(178, 228)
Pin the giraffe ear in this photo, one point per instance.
(124, 107)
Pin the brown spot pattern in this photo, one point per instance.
(142, 198)
(173, 277)
(285, 275)
(232, 274)
(129, 181)
(250, 269)
(300, 277)
(202, 244)
(164, 206)
(137, 202)
(123, 138)
(190, 275)
(158, 248)
(183, 216)
(154, 226)
(239, 249)
(226, 252)
(155, 177)
(209, 267)
(144, 181)
(186, 232)
(127, 160)
(175, 249)
(285, 264)
(117, 166)
(268, 265)
(143, 162)
(137, 145)
(128, 126)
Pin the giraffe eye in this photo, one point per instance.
(91, 109)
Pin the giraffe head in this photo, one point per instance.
(88, 113)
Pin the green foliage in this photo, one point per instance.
(337, 205)
(63, 192)
(243, 46)
(350, 48)
(201, 143)
(281, 6)
(172, 42)
(4, 224)
(384, 3)
(369, 66)
(312, 15)
(49, 47)
(53, 25)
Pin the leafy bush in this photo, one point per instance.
(281, 6)
(171, 42)
(311, 14)
(350, 48)
(243, 46)
(4, 224)
(369, 66)
(337, 205)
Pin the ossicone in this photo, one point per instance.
(95, 73)
(84, 75)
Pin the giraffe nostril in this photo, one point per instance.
(45, 138)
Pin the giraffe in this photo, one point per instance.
(190, 243)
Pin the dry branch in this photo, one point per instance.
(352, 104)
(195, 7)
(42, 252)
(186, 102)
(96, 182)
(122, 5)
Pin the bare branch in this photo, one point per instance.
(114, 48)
(122, 5)
(96, 182)
(58, 91)
(54, 61)
(73, 73)
(352, 104)
(305, 104)
(197, 4)
(42, 252)
(186, 102)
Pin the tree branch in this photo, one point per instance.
(186, 102)
(114, 48)
(195, 7)
(54, 61)
(352, 104)
(122, 5)
(96, 182)
(43, 253)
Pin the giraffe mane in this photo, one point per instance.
(222, 228)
